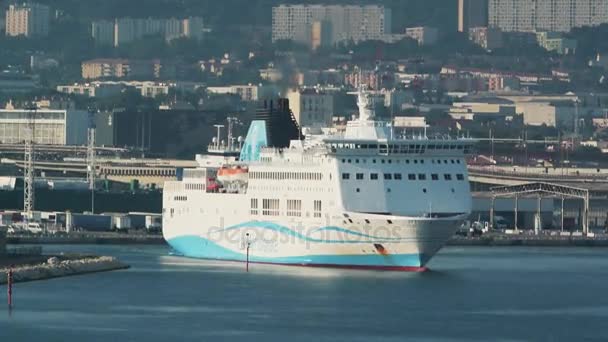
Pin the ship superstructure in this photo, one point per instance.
(364, 198)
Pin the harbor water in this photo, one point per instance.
(471, 293)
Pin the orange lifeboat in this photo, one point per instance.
(235, 173)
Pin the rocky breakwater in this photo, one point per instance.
(60, 266)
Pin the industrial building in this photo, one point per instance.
(51, 127)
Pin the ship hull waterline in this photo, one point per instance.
(351, 250)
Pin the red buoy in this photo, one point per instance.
(9, 288)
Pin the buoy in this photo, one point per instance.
(247, 262)
(247, 258)
(9, 288)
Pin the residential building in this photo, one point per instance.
(271, 74)
(554, 41)
(126, 30)
(600, 61)
(311, 108)
(424, 35)
(121, 68)
(489, 38)
(372, 78)
(546, 15)
(472, 13)
(14, 83)
(53, 127)
(246, 92)
(396, 99)
(339, 23)
(102, 89)
(102, 32)
(503, 83)
(94, 89)
(27, 19)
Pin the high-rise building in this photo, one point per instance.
(472, 13)
(27, 19)
(127, 30)
(103, 32)
(546, 15)
(301, 23)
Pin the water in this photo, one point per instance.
(508, 294)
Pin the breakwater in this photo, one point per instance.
(88, 238)
(55, 267)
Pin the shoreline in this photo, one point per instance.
(491, 240)
(56, 268)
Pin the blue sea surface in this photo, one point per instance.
(470, 294)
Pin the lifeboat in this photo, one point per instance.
(235, 173)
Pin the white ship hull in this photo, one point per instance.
(404, 244)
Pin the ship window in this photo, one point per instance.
(350, 161)
(359, 176)
(294, 208)
(415, 161)
(421, 176)
(424, 190)
(390, 161)
(460, 176)
(397, 176)
(374, 161)
(407, 161)
(383, 161)
(317, 208)
(373, 176)
(388, 190)
(453, 161)
(254, 206)
(435, 176)
(357, 161)
(445, 161)
(372, 146)
(388, 176)
(447, 176)
(458, 161)
(421, 161)
(346, 176)
(358, 190)
(270, 207)
(411, 176)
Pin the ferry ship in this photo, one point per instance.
(364, 197)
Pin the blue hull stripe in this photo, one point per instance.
(197, 247)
